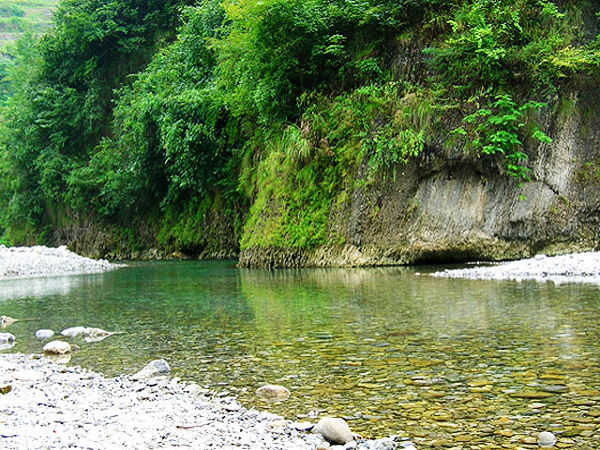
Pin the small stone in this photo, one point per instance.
(303, 426)
(5, 389)
(6, 321)
(156, 368)
(57, 348)
(44, 334)
(7, 338)
(323, 446)
(546, 439)
(335, 430)
(272, 392)
(382, 444)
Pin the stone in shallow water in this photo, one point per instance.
(6, 321)
(7, 338)
(44, 334)
(57, 348)
(334, 430)
(272, 392)
(546, 439)
(156, 368)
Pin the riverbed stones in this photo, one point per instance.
(334, 429)
(57, 348)
(273, 392)
(156, 368)
(546, 439)
(46, 261)
(44, 334)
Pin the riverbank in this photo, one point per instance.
(41, 261)
(575, 268)
(48, 405)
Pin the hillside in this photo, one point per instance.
(18, 16)
(315, 132)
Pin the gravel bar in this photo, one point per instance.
(48, 405)
(55, 406)
(576, 267)
(40, 261)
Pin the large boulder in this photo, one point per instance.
(272, 392)
(57, 348)
(156, 368)
(334, 430)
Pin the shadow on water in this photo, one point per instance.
(445, 361)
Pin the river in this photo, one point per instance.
(442, 361)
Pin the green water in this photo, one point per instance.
(446, 362)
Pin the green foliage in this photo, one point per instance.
(118, 115)
(64, 83)
(507, 43)
(498, 131)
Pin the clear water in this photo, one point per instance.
(446, 362)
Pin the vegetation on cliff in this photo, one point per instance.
(250, 124)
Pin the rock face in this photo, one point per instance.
(57, 348)
(448, 205)
(334, 430)
(156, 368)
(272, 392)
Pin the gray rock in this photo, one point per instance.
(57, 348)
(44, 334)
(334, 430)
(272, 392)
(546, 439)
(156, 368)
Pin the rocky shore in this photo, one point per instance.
(575, 267)
(39, 261)
(49, 405)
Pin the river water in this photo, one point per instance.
(472, 364)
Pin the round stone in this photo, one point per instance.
(546, 439)
(57, 348)
(44, 334)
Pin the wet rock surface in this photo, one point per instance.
(39, 261)
(47, 405)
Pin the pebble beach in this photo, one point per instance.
(40, 261)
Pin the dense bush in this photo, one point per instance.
(274, 103)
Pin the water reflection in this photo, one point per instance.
(41, 287)
(446, 361)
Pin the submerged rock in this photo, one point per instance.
(334, 429)
(89, 334)
(57, 348)
(546, 439)
(273, 392)
(156, 368)
(44, 334)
